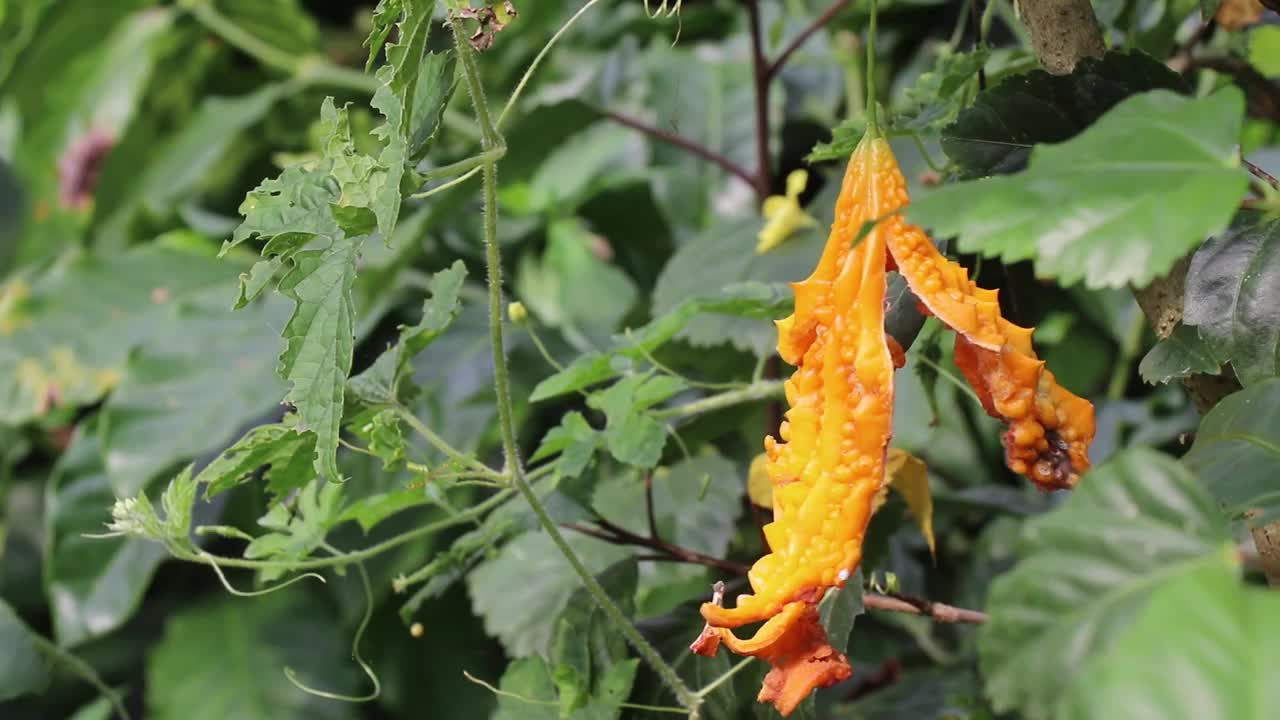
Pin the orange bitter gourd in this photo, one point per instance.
(829, 467)
(830, 464)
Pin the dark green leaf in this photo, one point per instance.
(1092, 208)
(257, 639)
(1180, 355)
(995, 134)
(1237, 452)
(1087, 570)
(23, 669)
(1233, 296)
(532, 563)
(586, 642)
(1202, 650)
(178, 167)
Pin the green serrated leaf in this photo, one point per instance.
(532, 563)
(384, 437)
(299, 529)
(23, 669)
(281, 449)
(633, 437)
(382, 382)
(933, 101)
(1086, 572)
(1182, 354)
(1201, 650)
(1237, 452)
(1091, 208)
(1233, 296)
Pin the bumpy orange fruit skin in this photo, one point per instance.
(830, 464)
(829, 467)
(1049, 428)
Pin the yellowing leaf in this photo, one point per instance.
(759, 488)
(910, 477)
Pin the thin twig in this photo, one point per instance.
(760, 71)
(684, 143)
(940, 612)
(799, 40)
(648, 505)
(1261, 174)
(667, 552)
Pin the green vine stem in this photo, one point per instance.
(760, 390)
(489, 140)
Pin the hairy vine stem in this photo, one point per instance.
(502, 387)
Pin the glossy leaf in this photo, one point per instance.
(1086, 573)
(1093, 208)
(995, 135)
(1201, 650)
(1236, 453)
(1182, 354)
(1233, 296)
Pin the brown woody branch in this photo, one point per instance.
(684, 143)
(771, 69)
(667, 552)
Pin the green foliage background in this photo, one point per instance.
(164, 162)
